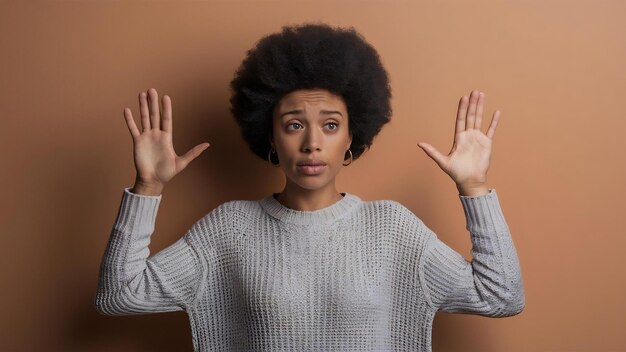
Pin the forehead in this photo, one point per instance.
(311, 96)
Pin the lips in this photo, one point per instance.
(311, 167)
(311, 170)
(311, 162)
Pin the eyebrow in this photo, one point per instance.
(299, 111)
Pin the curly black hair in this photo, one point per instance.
(311, 56)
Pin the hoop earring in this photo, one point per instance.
(269, 157)
(350, 158)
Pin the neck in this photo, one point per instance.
(303, 199)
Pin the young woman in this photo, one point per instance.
(310, 268)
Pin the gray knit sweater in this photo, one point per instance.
(354, 276)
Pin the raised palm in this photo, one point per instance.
(468, 160)
(155, 159)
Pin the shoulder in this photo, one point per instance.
(392, 215)
(224, 219)
(394, 219)
(232, 210)
(388, 209)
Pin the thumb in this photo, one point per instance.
(192, 154)
(432, 152)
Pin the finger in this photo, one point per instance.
(145, 113)
(460, 115)
(154, 109)
(130, 122)
(479, 110)
(494, 124)
(192, 154)
(432, 153)
(167, 114)
(471, 112)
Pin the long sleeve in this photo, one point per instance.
(130, 281)
(491, 284)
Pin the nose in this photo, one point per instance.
(311, 141)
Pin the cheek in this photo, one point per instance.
(288, 155)
(338, 154)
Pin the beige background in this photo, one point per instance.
(554, 68)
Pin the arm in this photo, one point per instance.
(489, 285)
(130, 281)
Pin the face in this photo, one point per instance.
(311, 124)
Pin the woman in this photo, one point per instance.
(310, 268)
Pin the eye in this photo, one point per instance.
(293, 123)
(335, 126)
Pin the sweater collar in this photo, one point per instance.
(332, 212)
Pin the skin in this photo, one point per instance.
(468, 160)
(309, 134)
(310, 124)
(156, 162)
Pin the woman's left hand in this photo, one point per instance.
(468, 160)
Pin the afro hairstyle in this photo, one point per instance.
(311, 56)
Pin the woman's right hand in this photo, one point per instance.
(155, 159)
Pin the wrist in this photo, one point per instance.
(147, 188)
(473, 190)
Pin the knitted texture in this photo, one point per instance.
(354, 276)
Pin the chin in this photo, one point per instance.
(311, 185)
(310, 182)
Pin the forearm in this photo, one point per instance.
(126, 253)
(491, 283)
(132, 282)
(495, 262)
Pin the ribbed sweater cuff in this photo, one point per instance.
(483, 214)
(137, 212)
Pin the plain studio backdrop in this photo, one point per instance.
(555, 69)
